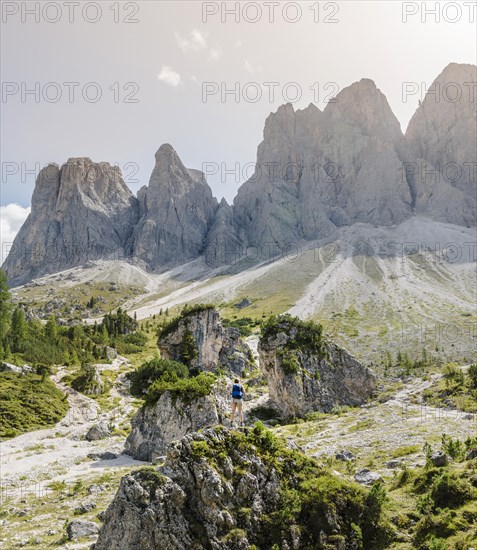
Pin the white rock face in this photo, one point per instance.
(316, 171)
(81, 211)
(443, 136)
(319, 170)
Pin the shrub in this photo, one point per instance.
(289, 361)
(188, 348)
(153, 370)
(88, 381)
(187, 389)
(453, 374)
(473, 375)
(449, 491)
(302, 335)
(244, 325)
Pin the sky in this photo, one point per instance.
(114, 80)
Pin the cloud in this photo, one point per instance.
(193, 43)
(12, 217)
(169, 76)
(238, 44)
(215, 53)
(252, 69)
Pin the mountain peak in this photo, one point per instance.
(165, 151)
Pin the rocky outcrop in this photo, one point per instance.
(443, 136)
(155, 427)
(176, 211)
(306, 373)
(81, 211)
(199, 334)
(226, 490)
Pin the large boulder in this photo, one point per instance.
(306, 372)
(101, 430)
(81, 528)
(199, 339)
(155, 427)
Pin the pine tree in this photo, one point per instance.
(5, 306)
(103, 335)
(51, 329)
(188, 348)
(18, 330)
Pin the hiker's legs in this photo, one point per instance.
(234, 406)
(240, 411)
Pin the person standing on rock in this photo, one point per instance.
(238, 393)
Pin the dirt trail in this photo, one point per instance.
(60, 452)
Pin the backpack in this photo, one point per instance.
(237, 392)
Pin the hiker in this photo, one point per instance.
(237, 395)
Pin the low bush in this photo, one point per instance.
(153, 370)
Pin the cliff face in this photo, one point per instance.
(177, 209)
(200, 333)
(305, 373)
(443, 136)
(319, 170)
(155, 427)
(81, 211)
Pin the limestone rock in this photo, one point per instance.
(221, 489)
(345, 456)
(215, 345)
(442, 134)
(98, 431)
(81, 211)
(319, 170)
(439, 458)
(223, 243)
(155, 427)
(81, 528)
(9, 367)
(176, 211)
(367, 477)
(195, 506)
(302, 379)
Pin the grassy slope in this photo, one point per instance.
(28, 403)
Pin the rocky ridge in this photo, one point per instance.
(316, 171)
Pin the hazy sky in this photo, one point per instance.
(151, 74)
